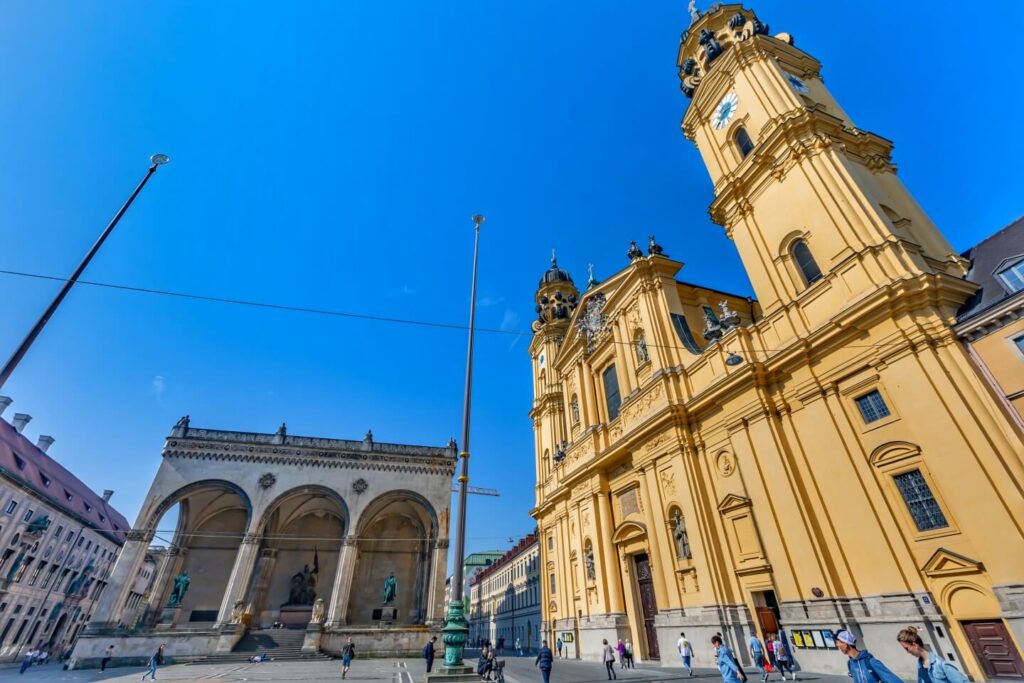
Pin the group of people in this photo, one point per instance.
(863, 667)
(36, 655)
(624, 650)
(489, 664)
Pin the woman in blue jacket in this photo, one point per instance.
(727, 664)
(930, 669)
(544, 660)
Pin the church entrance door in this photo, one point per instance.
(648, 603)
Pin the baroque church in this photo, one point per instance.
(826, 456)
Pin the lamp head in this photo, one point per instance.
(478, 219)
(159, 159)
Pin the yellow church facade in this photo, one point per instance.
(824, 456)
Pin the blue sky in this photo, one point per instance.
(330, 154)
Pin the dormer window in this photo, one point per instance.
(45, 479)
(1013, 276)
(19, 462)
(88, 508)
(743, 142)
(68, 496)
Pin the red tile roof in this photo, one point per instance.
(22, 461)
(517, 549)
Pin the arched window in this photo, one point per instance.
(743, 141)
(805, 262)
(574, 409)
(640, 344)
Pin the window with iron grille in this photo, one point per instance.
(872, 406)
(919, 499)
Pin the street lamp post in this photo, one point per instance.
(456, 630)
(26, 343)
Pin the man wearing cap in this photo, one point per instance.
(864, 668)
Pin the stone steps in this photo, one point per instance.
(279, 644)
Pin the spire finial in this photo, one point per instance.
(694, 12)
(554, 259)
(591, 281)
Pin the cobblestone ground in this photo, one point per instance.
(517, 670)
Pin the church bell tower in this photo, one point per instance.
(807, 197)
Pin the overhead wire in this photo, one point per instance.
(361, 316)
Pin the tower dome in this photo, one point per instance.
(556, 294)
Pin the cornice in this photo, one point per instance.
(992, 319)
(285, 455)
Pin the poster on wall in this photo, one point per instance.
(830, 640)
(808, 639)
(798, 639)
(819, 639)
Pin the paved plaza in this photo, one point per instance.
(517, 670)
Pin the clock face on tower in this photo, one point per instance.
(797, 84)
(725, 111)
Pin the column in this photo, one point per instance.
(654, 536)
(158, 589)
(438, 574)
(238, 582)
(610, 564)
(107, 613)
(338, 611)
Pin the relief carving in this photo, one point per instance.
(668, 482)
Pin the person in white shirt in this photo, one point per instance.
(685, 651)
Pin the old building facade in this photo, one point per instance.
(827, 456)
(505, 599)
(293, 531)
(58, 543)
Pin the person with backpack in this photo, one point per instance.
(428, 652)
(558, 644)
(730, 669)
(863, 667)
(155, 661)
(782, 657)
(608, 657)
(348, 651)
(930, 669)
(545, 660)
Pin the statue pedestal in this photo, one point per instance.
(385, 615)
(169, 617)
(296, 616)
(311, 643)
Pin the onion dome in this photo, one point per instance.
(554, 273)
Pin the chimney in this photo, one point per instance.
(20, 420)
(44, 442)
(5, 401)
(106, 495)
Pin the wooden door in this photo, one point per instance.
(994, 648)
(767, 620)
(648, 603)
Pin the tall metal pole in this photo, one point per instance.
(26, 343)
(456, 631)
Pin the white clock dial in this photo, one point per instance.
(797, 84)
(725, 111)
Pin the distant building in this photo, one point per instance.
(58, 542)
(991, 323)
(474, 563)
(505, 599)
(137, 603)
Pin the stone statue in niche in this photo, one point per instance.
(588, 562)
(390, 589)
(303, 587)
(682, 539)
(181, 584)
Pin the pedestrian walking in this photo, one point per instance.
(155, 661)
(685, 652)
(348, 651)
(769, 648)
(558, 644)
(621, 650)
(863, 667)
(544, 660)
(629, 655)
(519, 648)
(608, 657)
(730, 669)
(930, 669)
(428, 652)
(757, 654)
(107, 656)
(26, 662)
(782, 658)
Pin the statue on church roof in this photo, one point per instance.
(634, 251)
